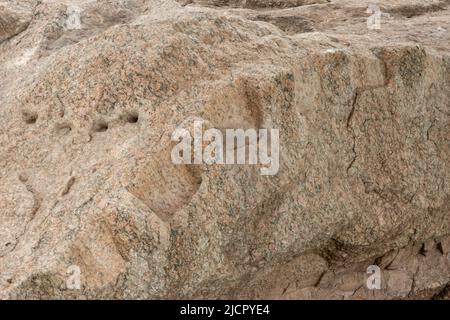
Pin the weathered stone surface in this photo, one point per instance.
(15, 16)
(91, 92)
(254, 3)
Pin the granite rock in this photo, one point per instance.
(91, 92)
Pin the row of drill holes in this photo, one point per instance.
(99, 126)
(102, 126)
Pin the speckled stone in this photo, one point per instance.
(86, 180)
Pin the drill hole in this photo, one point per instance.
(132, 117)
(100, 126)
(29, 117)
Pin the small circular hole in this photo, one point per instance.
(23, 177)
(132, 117)
(29, 117)
(100, 126)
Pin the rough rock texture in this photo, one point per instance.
(15, 17)
(86, 116)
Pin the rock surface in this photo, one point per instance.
(91, 92)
